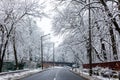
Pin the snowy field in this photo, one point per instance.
(15, 76)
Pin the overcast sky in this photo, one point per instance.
(46, 22)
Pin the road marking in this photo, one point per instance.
(54, 78)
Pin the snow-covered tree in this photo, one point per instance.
(72, 21)
(11, 16)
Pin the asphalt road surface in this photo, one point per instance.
(55, 74)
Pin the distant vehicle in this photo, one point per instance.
(68, 67)
(75, 66)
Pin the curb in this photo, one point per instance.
(79, 74)
(23, 76)
(86, 77)
(27, 75)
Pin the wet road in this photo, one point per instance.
(55, 74)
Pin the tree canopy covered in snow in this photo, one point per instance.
(19, 33)
(72, 22)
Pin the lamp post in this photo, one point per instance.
(42, 49)
(53, 54)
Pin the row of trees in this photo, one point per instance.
(72, 22)
(19, 34)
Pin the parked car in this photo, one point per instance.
(109, 73)
(96, 71)
(85, 70)
(115, 74)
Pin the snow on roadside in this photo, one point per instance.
(102, 78)
(15, 76)
(94, 77)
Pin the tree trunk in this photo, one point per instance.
(98, 54)
(1, 45)
(15, 53)
(3, 54)
(113, 41)
(2, 39)
(119, 7)
(110, 16)
(103, 50)
(1, 63)
(30, 54)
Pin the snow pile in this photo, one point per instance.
(102, 78)
(85, 73)
(15, 76)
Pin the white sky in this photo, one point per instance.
(46, 23)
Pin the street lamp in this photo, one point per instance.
(42, 49)
(90, 41)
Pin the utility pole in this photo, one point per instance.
(90, 45)
(42, 49)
